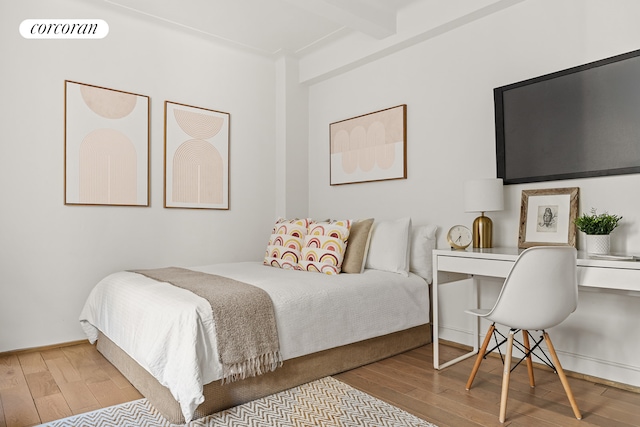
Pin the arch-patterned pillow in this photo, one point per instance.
(324, 246)
(284, 249)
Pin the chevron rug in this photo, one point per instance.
(326, 402)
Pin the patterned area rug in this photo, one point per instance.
(326, 402)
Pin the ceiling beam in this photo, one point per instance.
(359, 15)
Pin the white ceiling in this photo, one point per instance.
(272, 27)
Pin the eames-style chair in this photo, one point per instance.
(540, 292)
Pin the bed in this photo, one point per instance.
(163, 338)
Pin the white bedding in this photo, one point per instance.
(169, 331)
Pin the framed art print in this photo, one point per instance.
(371, 147)
(547, 217)
(106, 144)
(196, 161)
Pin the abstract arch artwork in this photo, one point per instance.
(371, 147)
(196, 157)
(107, 169)
(106, 146)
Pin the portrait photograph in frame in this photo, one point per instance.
(547, 217)
(196, 151)
(370, 147)
(106, 146)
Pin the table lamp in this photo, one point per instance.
(483, 195)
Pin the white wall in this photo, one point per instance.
(447, 83)
(51, 255)
(292, 176)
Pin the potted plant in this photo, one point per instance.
(598, 228)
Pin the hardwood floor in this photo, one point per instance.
(409, 381)
(42, 386)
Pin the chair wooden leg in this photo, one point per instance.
(525, 341)
(481, 353)
(506, 375)
(563, 377)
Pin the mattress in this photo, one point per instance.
(170, 333)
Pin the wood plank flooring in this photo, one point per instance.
(41, 386)
(409, 381)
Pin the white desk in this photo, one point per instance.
(450, 266)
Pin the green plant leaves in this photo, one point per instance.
(603, 223)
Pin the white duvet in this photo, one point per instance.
(169, 331)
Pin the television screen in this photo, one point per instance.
(576, 123)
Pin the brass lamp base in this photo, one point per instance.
(482, 232)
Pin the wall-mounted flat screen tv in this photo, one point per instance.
(576, 123)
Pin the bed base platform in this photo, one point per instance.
(294, 372)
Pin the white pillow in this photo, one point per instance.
(423, 242)
(389, 246)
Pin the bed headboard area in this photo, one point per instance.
(351, 246)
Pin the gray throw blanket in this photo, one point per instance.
(244, 319)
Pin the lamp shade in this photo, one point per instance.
(483, 195)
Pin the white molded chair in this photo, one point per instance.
(540, 292)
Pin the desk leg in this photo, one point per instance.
(434, 304)
(476, 322)
(436, 324)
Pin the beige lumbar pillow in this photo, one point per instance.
(357, 246)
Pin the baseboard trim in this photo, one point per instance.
(571, 374)
(42, 348)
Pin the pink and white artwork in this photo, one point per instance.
(371, 147)
(106, 146)
(196, 157)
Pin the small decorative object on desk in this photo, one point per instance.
(459, 237)
(615, 257)
(598, 228)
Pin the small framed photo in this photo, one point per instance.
(546, 217)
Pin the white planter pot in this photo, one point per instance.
(598, 244)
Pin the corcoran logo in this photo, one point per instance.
(64, 29)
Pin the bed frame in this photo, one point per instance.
(294, 372)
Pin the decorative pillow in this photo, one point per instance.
(284, 249)
(423, 242)
(390, 245)
(357, 246)
(324, 246)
